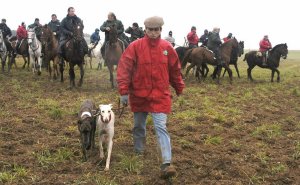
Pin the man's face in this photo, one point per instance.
(71, 12)
(53, 18)
(153, 33)
(110, 17)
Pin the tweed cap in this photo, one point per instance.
(154, 22)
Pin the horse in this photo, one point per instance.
(182, 51)
(50, 44)
(254, 58)
(3, 51)
(21, 50)
(201, 55)
(74, 54)
(113, 51)
(95, 53)
(35, 51)
(234, 57)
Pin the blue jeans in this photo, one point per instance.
(162, 135)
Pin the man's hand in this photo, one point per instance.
(124, 100)
(107, 28)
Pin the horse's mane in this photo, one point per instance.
(13, 38)
(277, 46)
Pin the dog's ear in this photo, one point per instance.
(79, 122)
(111, 105)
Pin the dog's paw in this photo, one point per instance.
(106, 169)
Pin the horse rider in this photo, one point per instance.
(170, 38)
(264, 46)
(6, 32)
(214, 43)
(193, 38)
(204, 38)
(67, 28)
(21, 35)
(38, 28)
(94, 39)
(135, 31)
(112, 20)
(54, 26)
(229, 36)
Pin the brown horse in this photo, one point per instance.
(74, 54)
(201, 55)
(21, 50)
(50, 45)
(113, 51)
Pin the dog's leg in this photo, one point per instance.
(83, 148)
(109, 148)
(101, 146)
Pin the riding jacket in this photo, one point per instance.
(95, 37)
(67, 26)
(193, 38)
(5, 30)
(21, 33)
(54, 26)
(119, 26)
(145, 71)
(264, 45)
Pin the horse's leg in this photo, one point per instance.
(188, 69)
(55, 69)
(61, 70)
(218, 73)
(225, 70)
(229, 72)
(206, 71)
(2, 64)
(237, 70)
(48, 65)
(111, 75)
(91, 58)
(249, 70)
(272, 75)
(72, 75)
(81, 75)
(278, 75)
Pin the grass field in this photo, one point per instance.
(244, 133)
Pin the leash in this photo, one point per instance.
(119, 109)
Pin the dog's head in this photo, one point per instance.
(85, 127)
(105, 112)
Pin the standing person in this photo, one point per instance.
(38, 28)
(170, 38)
(204, 38)
(214, 43)
(54, 25)
(229, 36)
(135, 31)
(112, 20)
(67, 28)
(146, 69)
(264, 46)
(193, 38)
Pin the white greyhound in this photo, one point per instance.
(105, 123)
(95, 53)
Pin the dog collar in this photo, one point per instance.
(86, 113)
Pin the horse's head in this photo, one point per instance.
(280, 49)
(241, 48)
(113, 34)
(46, 34)
(78, 31)
(31, 35)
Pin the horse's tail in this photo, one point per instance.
(186, 58)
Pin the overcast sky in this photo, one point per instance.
(248, 20)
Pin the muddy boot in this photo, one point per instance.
(167, 171)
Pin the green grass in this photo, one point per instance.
(130, 164)
(267, 131)
(213, 140)
(50, 159)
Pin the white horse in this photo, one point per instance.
(35, 51)
(3, 50)
(95, 53)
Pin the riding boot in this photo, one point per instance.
(264, 62)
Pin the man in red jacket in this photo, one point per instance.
(146, 69)
(193, 38)
(264, 46)
(21, 34)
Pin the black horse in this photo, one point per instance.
(255, 58)
(74, 54)
(234, 57)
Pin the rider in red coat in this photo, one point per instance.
(264, 46)
(193, 38)
(21, 32)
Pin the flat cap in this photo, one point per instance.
(154, 22)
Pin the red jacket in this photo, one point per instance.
(193, 38)
(225, 39)
(21, 33)
(145, 71)
(264, 45)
